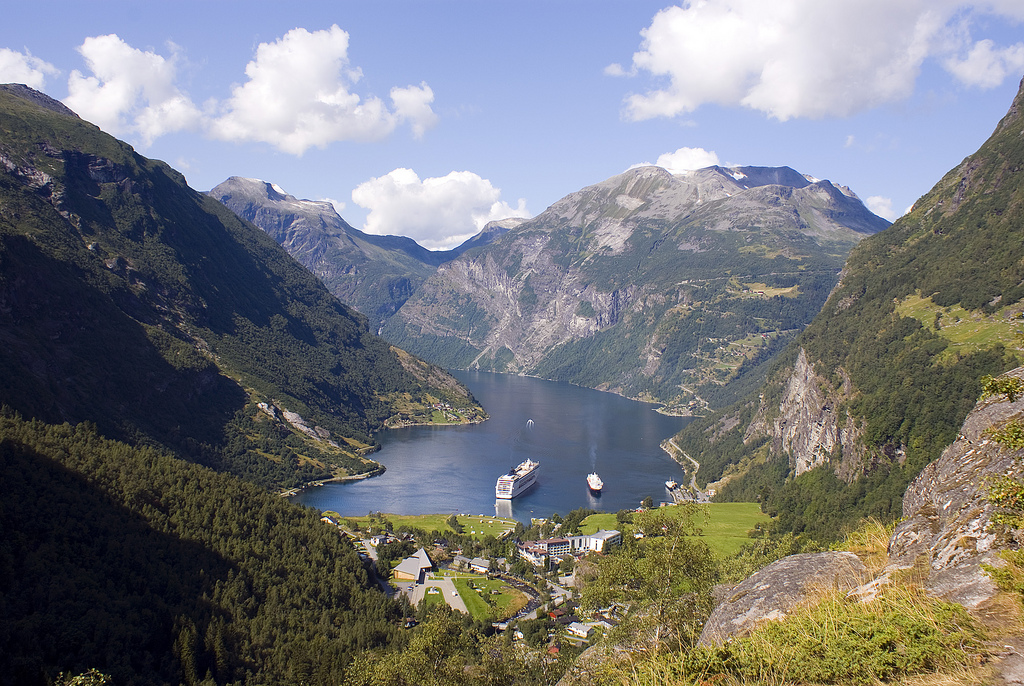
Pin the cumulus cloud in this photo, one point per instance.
(131, 91)
(807, 58)
(882, 206)
(22, 67)
(299, 94)
(985, 66)
(438, 213)
(686, 159)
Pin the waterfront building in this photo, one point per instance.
(538, 553)
(414, 568)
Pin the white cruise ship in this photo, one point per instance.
(517, 480)
(594, 482)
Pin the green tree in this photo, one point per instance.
(665, 578)
(434, 656)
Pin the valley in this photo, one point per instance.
(168, 369)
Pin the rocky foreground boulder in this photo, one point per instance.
(946, 530)
(773, 591)
(945, 536)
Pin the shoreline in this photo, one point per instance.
(295, 490)
(379, 468)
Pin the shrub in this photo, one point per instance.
(901, 633)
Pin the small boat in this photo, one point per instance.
(671, 485)
(594, 482)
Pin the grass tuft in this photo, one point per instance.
(900, 634)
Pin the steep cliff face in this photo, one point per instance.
(947, 515)
(946, 536)
(648, 284)
(883, 377)
(808, 424)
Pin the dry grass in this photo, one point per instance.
(901, 636)
(870, 542)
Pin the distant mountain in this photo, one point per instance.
(881, 380)
(677, 288)
(131, 301)
(374, 274)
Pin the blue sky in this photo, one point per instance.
(428, 118)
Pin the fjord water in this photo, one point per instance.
(573, 431)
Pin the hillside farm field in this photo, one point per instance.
(725, 527)
(478, 526)
(966, 331)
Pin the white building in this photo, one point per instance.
(581, 630)
(539, 552)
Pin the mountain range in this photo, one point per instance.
(667, 287)
(676, 288)
(374, 274)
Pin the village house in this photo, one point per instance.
(580, 630)
(414, 568)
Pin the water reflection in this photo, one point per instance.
(571, 431)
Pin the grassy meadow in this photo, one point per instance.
(965, 331)
(725, 527)
(478, 526)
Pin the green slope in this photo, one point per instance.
(155, 571)
(958, 254)
(132, 301)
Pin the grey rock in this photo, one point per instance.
(631, 269)
(946, 530)
(772, 592)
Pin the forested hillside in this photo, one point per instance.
(129, 300)
(153, 570)
(894, 360)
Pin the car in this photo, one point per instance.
(455, 593)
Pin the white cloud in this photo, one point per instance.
(438, 213)
(299, 95)
(686, 159)
(130, 91)
(339, 205)
(17, 67)
(985, 66)
(806, 58)
(882, 206)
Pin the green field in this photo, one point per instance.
(476, 592)
(966, 331)
(725, 528)
(432, 599)
(478, 526)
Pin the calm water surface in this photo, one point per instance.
(574, 431)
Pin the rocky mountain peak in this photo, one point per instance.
(751, 177)
(42, 99)
(1013, 116)
(267, 196)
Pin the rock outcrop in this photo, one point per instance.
(946, 529)
(772, 592)
(806, 425)
(946, 536)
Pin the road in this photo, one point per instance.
(447, 586)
